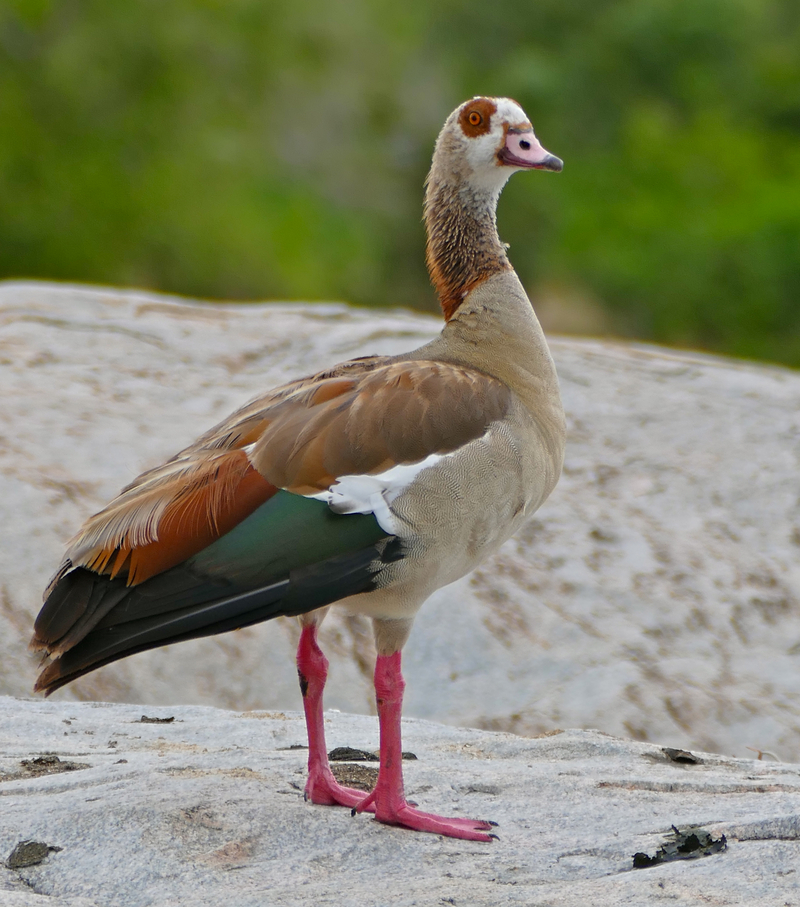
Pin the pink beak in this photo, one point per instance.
(522, 149)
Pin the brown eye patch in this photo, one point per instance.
(475, 117)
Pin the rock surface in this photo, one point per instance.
(654, 596)
(207, 809)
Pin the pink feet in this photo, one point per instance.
(324, 789)
(388, 800)
(400, 813)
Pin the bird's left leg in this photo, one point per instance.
(312, 669)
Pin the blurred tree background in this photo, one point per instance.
(256, 149)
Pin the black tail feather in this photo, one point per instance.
(134, 621)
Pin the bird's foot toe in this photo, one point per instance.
(323, 789)
(407, 816)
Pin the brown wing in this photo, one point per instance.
(360, 418)
(396, 414)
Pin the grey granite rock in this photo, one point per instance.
(208, 810)
(654, 596)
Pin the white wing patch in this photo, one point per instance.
(374, 494)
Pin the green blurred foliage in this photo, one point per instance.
(256, 149)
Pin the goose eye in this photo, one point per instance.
(475, 119)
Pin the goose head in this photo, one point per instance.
(481, 144)
(484, 141)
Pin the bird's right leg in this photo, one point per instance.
(312, 669)
(388, 799)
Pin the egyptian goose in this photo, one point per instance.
(369, 485)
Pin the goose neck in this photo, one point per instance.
(463, 248)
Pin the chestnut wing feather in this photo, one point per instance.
(178, 508)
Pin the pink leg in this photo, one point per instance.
(312, 668)
(388, 798)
